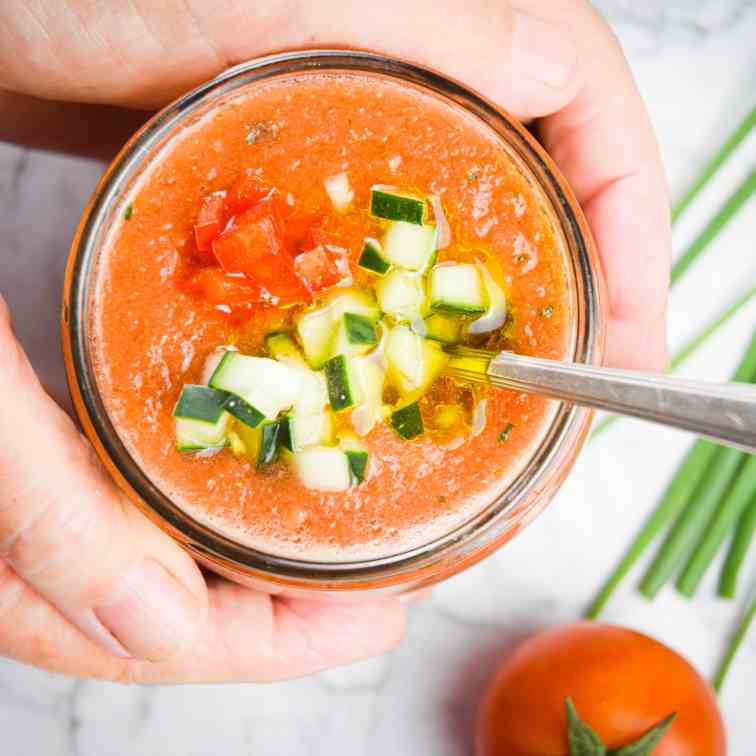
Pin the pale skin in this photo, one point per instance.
(87, 585)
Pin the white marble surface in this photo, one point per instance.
(695, 61)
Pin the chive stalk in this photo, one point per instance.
(723, 216)
(671, 504)
(702, 503)
(734, 645)
(682, 487)
(730, 145)
(730, 509)
(741, 542)
(689, 348)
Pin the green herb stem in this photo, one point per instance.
(693, 519)
(731, 507)
(741, 541)
(725, 213)
(702, 502)
(730, 145)
(671, 504)
(734, 645)
(689, 348)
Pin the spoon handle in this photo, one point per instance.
(724, 412)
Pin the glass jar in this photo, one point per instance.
(467, 543)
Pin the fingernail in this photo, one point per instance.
(153, 615)
(542, 51)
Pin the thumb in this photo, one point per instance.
(69, 533)
(514, 56)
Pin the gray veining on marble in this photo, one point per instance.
(695, 61)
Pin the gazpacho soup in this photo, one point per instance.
(274, 306)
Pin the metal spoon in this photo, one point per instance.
(723, 412)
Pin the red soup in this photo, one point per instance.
(275, 307)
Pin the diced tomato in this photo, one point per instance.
(219, 288)
(246, 192)
(322, 267)
(299, 231)
(252, 244)
(211, 219)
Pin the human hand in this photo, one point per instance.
(67, 542)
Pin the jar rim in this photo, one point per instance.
(548, 463)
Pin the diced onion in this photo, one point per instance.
(442, 224)
(339, 190)
(478, 424)
(496, 314)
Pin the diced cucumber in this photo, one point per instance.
(355, 301)
(315, 329)
(282, 347)
(355, 334)
(407, 421)
(456, 287)
(300, 431)
(201, 419)
(370, 374)
(314, 395)
(260, 386)
(259, 445)
(401, 294)
(323, 468)
(387, 202)
(496, 313)
(409, 246)
(414, 362)
(372, 258)
(343, 387)
(444, 328)
(357, 456)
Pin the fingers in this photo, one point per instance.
(144, 54)
(604, 144)
(66, 530)
(248, 637)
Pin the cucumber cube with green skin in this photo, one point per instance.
(323, 468)
(357, 456)
(301, 431)
(372, 258)
(315, 329)
(244, 411)
(443, 327)
(201, 419)
(282, 347)
(259, 445)
(259, 386)
(414, 362)
(410, 247)
(457, 288)
(407, 421)
(343, 390)
(355, 334)
(393, 205)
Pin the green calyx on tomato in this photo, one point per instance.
(583, 741)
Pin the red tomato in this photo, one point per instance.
(252, 244)
(211, 219)
(219, 288)
(246, 192)
(621, 682)
(299, 230)
(322, 267)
